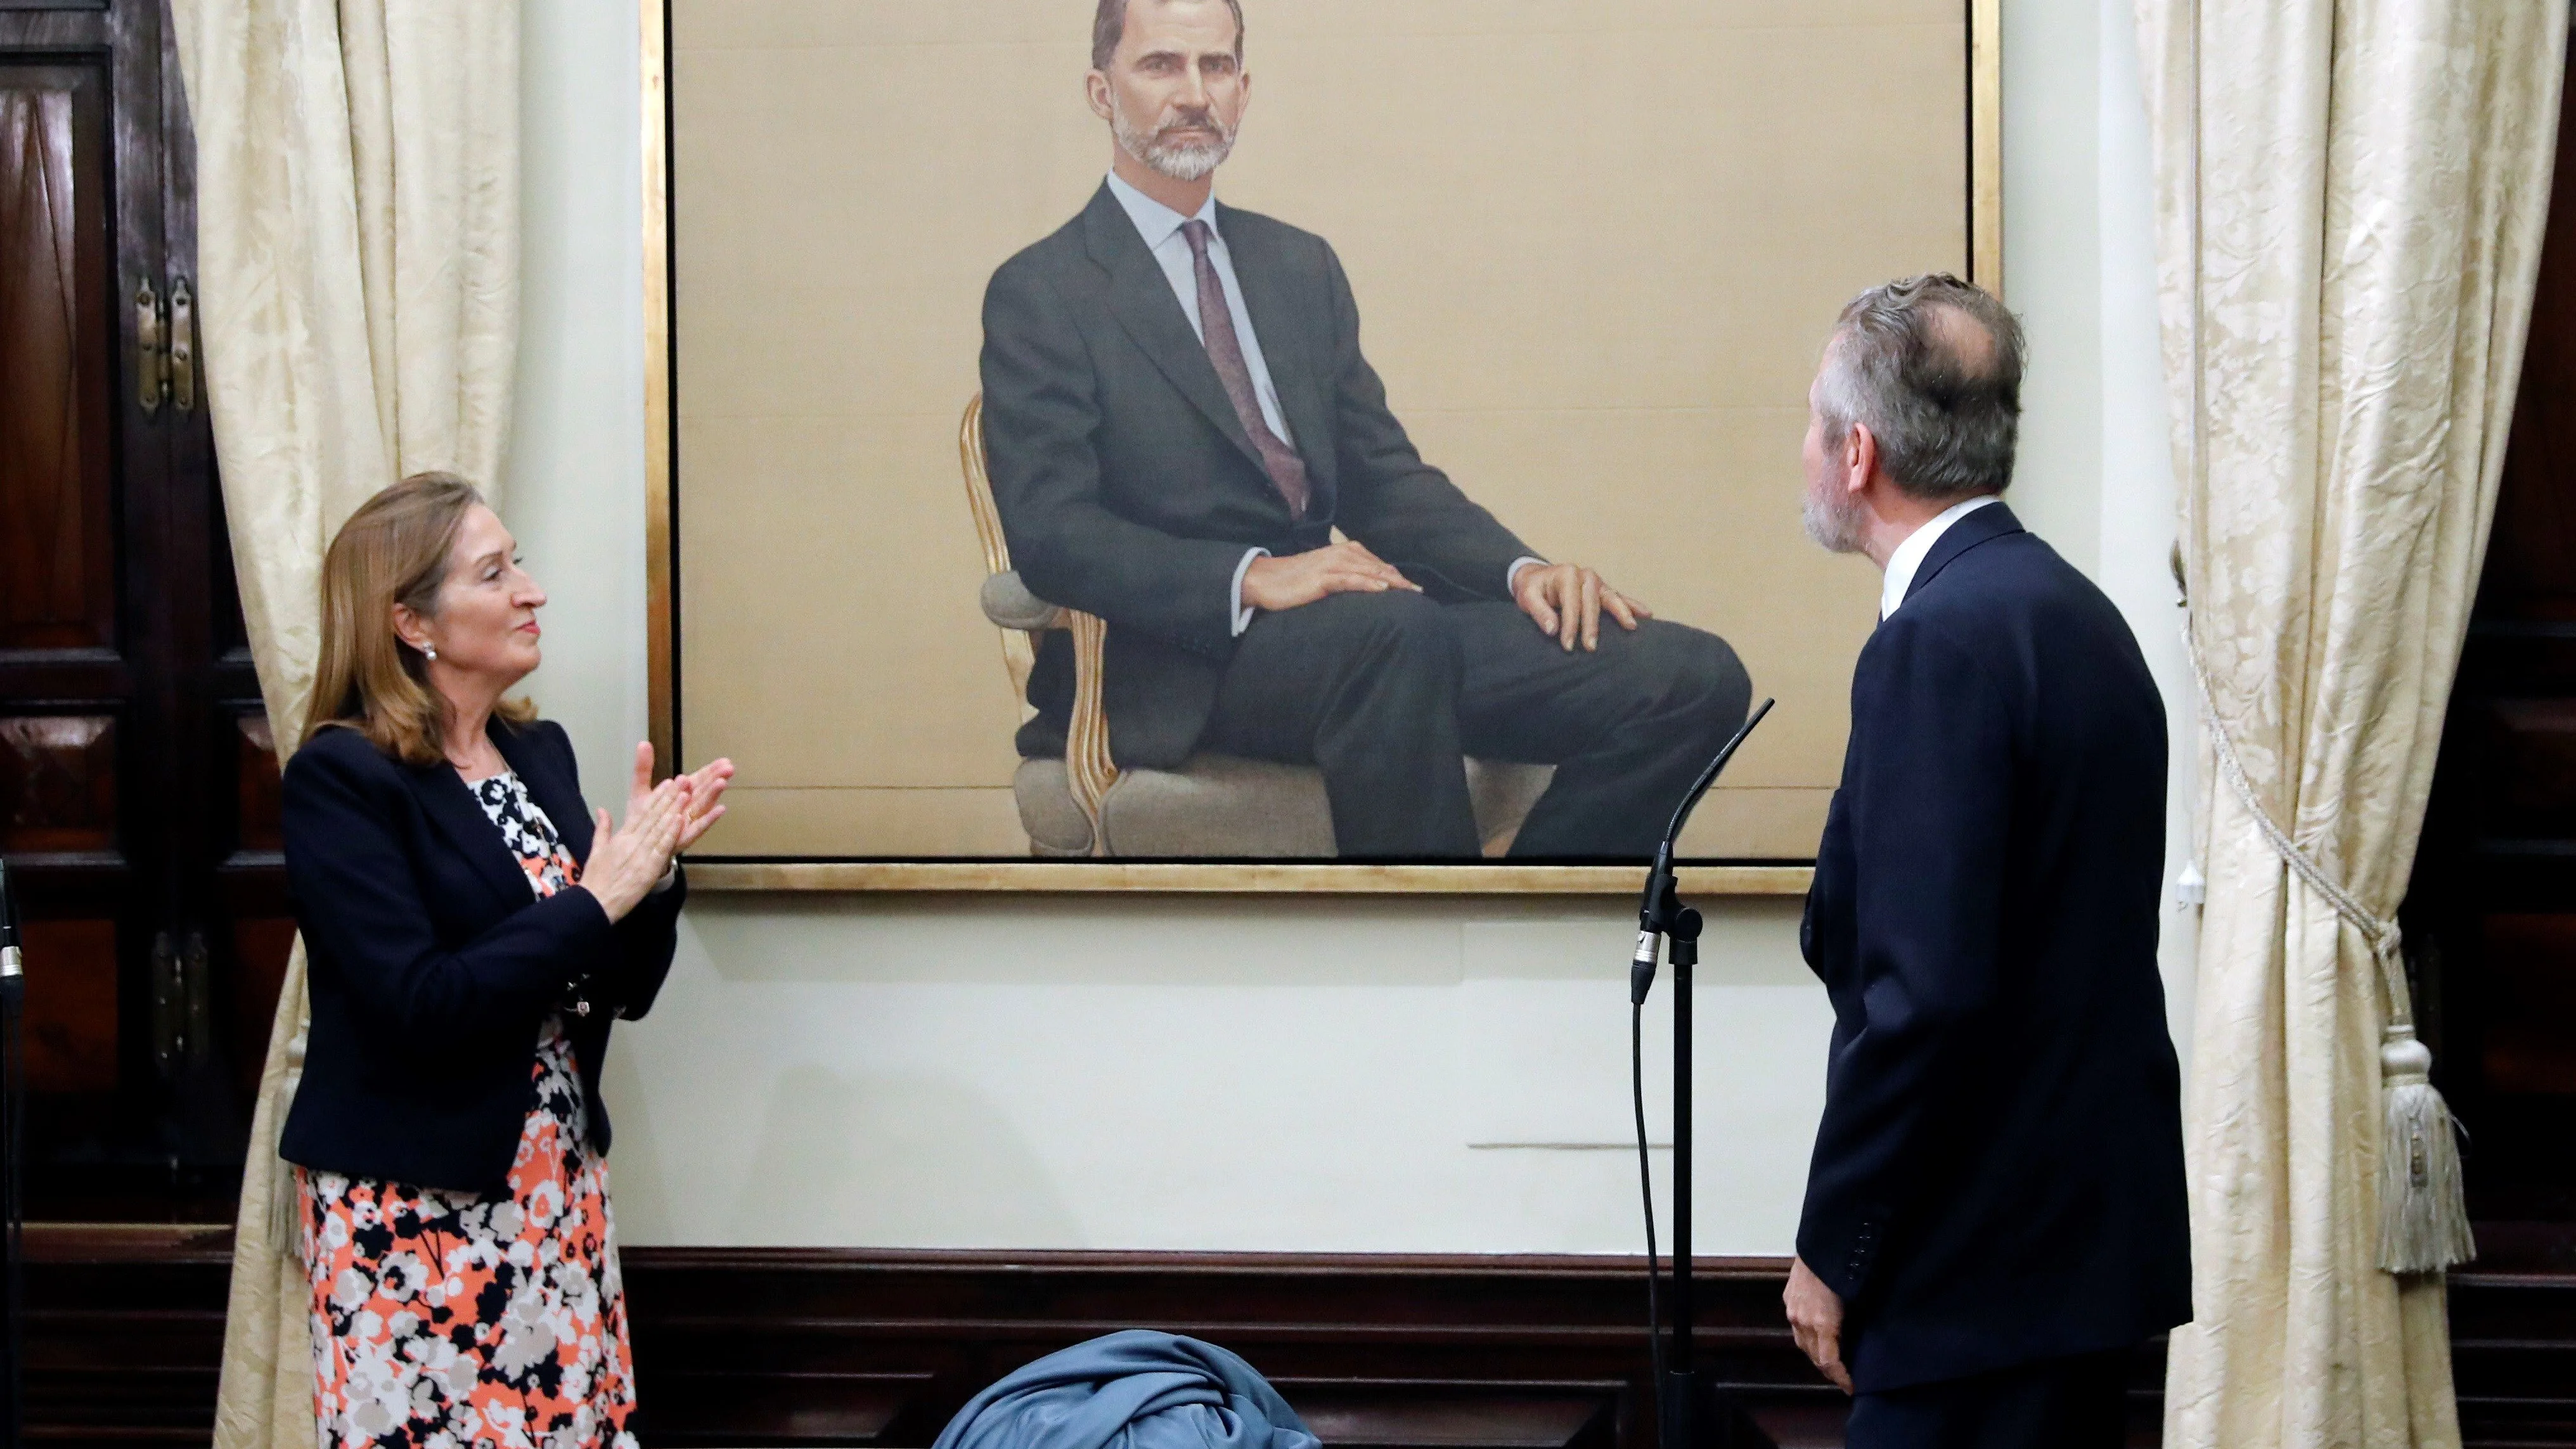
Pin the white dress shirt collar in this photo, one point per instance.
(1909, 555)
(1156, 222)
(1160, 227)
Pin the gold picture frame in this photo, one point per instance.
(1984, 201)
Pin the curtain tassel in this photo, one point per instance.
(2423, 1211)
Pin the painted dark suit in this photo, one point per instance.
(1129, 489)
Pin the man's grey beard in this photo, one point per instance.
(1179, 160)
(1833, 520)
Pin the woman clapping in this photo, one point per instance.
(472, 929)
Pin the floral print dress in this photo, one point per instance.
(450, 1320)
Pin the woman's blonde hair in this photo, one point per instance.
(394, 550)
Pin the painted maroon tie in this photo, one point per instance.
(1216, 324)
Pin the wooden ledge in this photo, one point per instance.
(1087, 877)
(159, 1244)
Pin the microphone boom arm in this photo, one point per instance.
(1660, 911)
(1686, 1402)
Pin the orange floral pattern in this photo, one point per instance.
(451, 1320)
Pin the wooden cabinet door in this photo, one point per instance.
(135, 810)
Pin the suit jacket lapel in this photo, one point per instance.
(1990, 522)
(548, 787)
(447, 800)
(1295, 373)
(1140, 297)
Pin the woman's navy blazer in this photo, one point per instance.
(432, 967)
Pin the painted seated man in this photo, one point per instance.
(1178, 421)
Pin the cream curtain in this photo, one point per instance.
(357, 250)
(2350, 205)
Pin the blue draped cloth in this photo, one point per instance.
(1135, 1389)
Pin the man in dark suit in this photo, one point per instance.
(1177, 419)
(1994, 1214)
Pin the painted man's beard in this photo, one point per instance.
(1186, 149)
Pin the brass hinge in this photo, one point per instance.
(165, 346)
(183, 345)
(151, 355)
(183, 1017)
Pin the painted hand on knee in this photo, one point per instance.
(1276, 584)
(1567, 600)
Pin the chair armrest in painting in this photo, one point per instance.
(1010, 605)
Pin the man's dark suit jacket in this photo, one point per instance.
(1128, 488)
(1998, 1178)
(432, 965)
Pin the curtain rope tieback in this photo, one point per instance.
(2423, 1205)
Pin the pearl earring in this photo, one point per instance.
(430, 649)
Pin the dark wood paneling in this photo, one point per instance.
(1379, 1350)
(2513, 1337)
(1444, 1350)
(816, 1407)
(1405, 1418)
(57, 783)
(57, 374)
(2531, 555)
(261, 946)
(2531, 747)
(2496, 979)
(125, 1334)
(117, 601)
(70, 1020)
(249, 895)
(257, 808)
(2530, 997)
(796, 1347)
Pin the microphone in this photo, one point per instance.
(1661, 909)
(13, 978)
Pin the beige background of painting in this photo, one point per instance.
(1595, 248)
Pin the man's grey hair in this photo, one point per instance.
(1109, 26)
(1932, 367)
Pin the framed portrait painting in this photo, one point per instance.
(1271, 444)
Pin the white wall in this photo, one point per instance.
(2096, 475)
(1139, 1072)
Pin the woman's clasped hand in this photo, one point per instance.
(628, 861)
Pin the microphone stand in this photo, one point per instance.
(1684, 1400)
(13, 1163)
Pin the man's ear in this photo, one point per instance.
(1095, 88)
(1860, 458)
